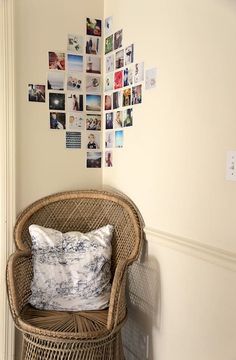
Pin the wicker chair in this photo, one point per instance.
(90, 335)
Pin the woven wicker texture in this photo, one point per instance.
(74, 335)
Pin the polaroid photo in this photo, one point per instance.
(56, 80)
(118, 119)
(139, 72)
(128, 117)
(75, 122)
(73, 140)
(36, 93)
(75, 102)
(127, 97)
(108, 159)
(94, 27)
(118, 39)
(136, 94)
(108, 25)
(128, 77)
(93, 102)
(93, 45)
(108, 44)
(109, 83)
(93, 64)
(93, 140)
(93, 84)
(75, 44)
(119, 59)
(119, 139)
(118, 79)
(109, 139)
(151, 78)
(94, 159)
(56, 60)
(57, 120)
(93, 122)
(116, 99)
(109, 121)
(108, 102)
(74, 81)
(74, 63)
(129, 54)
(109, 63)
(56, 101)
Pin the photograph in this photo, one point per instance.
(118, 38)
(56, 101)
(74, 81)
(94, 27)
(75, 102)
(116, 100)
(56, 80)
(57, 120)
(118, 119)
(136, 94)
(127, 97)
(94, 159)
(93, 64)
(93, 45)
(93, 122)
(93, 140)
(109, 44)
(56, 60)
(108, 25)
(109, 83)
(108, 159)
(108, 102)
(109, 137)
(75, 63)
(110, 63)
(73, 140)
(128, 77)
(93, 102)
(75, 44)
(119, 139)
(93, 84)
(36, 93)
(128, 117)
(75, 122)
(151, 78)
(129, 54)
(139, 72)
(118, 79)
(109, 121)
(119, 59)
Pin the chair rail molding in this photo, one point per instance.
(7, 169)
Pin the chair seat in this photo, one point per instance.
(79, 325)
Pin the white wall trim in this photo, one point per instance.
(197, 249)
(7, 168)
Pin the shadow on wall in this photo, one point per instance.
(143, 298)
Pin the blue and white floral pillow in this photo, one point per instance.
(71, 271)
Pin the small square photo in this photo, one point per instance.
(93, 45)
(75, 102)
(94, 159)
(93, 122)
(56, 101)
(57, 120)
(118, 79)
(75, 122)
(94, 27)
(108, 159)
(118, 38)
(75, 44)
(119, 59)
(36, 93)
(109, 44)
(56, 60)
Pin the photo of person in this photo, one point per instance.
(118, 79)
(108, 102)
(119, 59)
(75, 63)
(76, 122)
(93, 140)
(119, 139)
(116, 100)
(109, 121)
(93, 102)
(93, 122)
(74, 81)
(36, 93)
(108, 158)
(75, 102)
(56, 101)
(93, 84)
(129, 54)
(127, 97)
(118, 38)
(93, 64)
(94, 159)
(109, 136)
(93, 45)
(118, 119)
(109, 82)
(128, 77)
(110, 63)
(56, 60)
(73, 140)
(56, 80)
(128, 117)
(139, 72)
(137, 94)
(75, 44)
(109, 44)
(57, 120)
(94, 27)
(108, 25)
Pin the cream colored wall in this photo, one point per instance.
(44, 165)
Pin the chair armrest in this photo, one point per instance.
(117, 306)
(19, 276)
